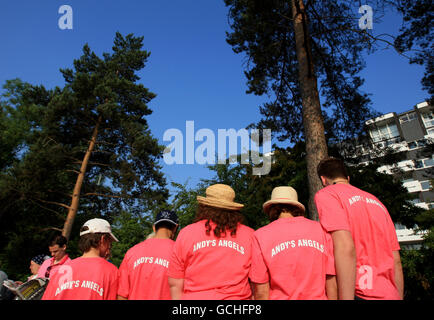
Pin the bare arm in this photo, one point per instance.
(331, 287)
(262, 291)
(399, 276)
(176, 288)
(345, 262)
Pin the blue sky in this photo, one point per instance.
(192, 69)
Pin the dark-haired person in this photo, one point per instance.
(292, 257)
(366, 248)
(211, 257)
(57, 247)
(91, 276)
(143, 271)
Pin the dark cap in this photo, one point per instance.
(168, 216)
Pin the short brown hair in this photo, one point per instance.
(276, 209)
(59, 240)
(223, 218)
(332, 168)
(91, 240)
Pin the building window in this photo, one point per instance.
(384, 132)
(428, 162)
(412, 145)
(418, 164)
(407, 117)
(426, 185)
(424, 163)
(415, 201)
(428, 119)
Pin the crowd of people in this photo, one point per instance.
(352, 252)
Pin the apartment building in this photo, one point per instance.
(410, 133)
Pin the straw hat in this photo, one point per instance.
(220, 196)
(283, 195)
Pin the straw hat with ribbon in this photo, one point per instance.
(220, 196)
(283, 195)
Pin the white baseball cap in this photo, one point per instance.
(98, 226)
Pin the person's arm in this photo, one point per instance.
(262, 291)
(331, 287)
(176, 288)
(399, 276)
(121, 298)
(345, 262)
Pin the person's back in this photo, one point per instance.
(294, 255)
(143, 271)
(92, 278)
(211, 258)
(374, 237)
(366, 247)
(215, 267)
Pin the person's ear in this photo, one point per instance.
(324, 181)
(348, 178)
(153, 229)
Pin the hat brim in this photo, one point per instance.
(168, 220)
(89, 231)
(266, 206)
(114, 238)
(217, 203)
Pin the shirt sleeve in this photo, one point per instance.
(176, 264)
(332, 214)
(258, 271)
(124, 279)
(330, 259)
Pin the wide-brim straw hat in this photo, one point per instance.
(283, 195)
(220, 196)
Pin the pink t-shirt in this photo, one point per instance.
(293, 255)
(84, 279)
(143, 272)
(53, 267)
(345, 207)
(212, 268)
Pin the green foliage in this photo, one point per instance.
(263, 31)
(45, 134)
(416, 37)
(418, 269)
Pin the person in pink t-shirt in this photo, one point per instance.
(211, 257)
(57, 248)
(143, 272)
(91, 276)
(366, 249)
(292, 257)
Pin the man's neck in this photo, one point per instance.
(57, 261)
(92, 253)
(339, 181)
(285, 215)
(163, 233)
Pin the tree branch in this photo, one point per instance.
(53, 202)
(103, 195)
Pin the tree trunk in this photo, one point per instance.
(72, 211)
(316, 146)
